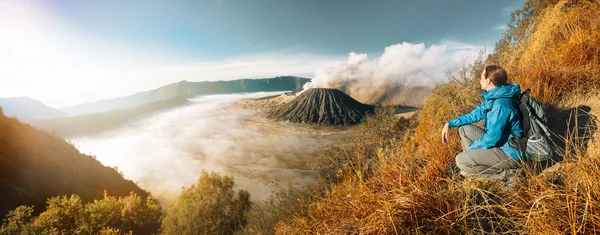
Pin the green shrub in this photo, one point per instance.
(17, 220)
(210, 206)
(69, 215)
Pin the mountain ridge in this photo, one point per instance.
(92, 123)
(27, 108)
(187, 88)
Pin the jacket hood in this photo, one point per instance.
(506, 91)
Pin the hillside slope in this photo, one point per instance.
(97, 122)
(413, 185)
(36, 165)
(185, 88)
(26, 108)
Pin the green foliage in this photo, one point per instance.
(63, 215)
(17, 220)
(69, 215)
(125, 213)
(210, 206)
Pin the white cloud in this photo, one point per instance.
(402, 65)
(43, 57)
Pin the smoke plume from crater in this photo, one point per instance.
(405, 72)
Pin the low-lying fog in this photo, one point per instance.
(167, 150)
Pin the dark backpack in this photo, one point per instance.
(535, 143)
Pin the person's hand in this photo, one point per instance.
(445, 133)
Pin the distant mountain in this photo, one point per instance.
(36, 165)
(96, 122)
(191, 88)
(26, 108)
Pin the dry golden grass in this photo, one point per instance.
(416, 188)
(592, 102)
(562, 54)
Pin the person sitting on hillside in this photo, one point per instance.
(486, 152)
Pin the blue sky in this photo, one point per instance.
(75, 51)
(219, 29)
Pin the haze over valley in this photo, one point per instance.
(165, 150)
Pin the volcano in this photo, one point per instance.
(322, 106)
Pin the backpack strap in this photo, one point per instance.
(490, 108)
(519, 144)
(532, 114)
(543, 127)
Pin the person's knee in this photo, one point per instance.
(465, 131)
(470, 132)
(461, 131)
(462, 160)
(469, 128)
(465, 164)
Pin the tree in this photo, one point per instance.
(69, 215)
(17, 221)
(210, 206)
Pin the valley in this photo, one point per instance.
(166, 150)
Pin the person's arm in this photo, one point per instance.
(475, 115)
(495, 130)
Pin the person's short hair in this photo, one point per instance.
(496, 74)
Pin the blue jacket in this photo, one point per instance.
(501, 119)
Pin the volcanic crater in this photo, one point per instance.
(322, 106)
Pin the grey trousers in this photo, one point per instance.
(489, 163)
